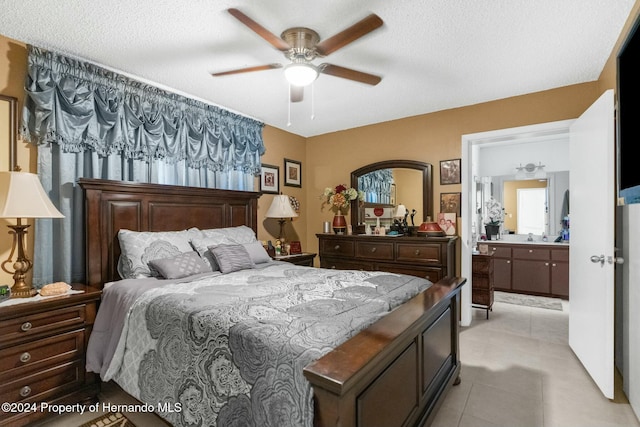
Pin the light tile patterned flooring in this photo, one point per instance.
(518, 371)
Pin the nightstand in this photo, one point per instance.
(43, 349)
(305, 259)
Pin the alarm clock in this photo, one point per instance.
(5, 292)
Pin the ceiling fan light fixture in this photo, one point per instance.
(300, 74)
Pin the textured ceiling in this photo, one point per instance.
(431, 54)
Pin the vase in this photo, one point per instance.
(339, 223)
(492, 230)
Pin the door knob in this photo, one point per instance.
(596, 259)
(615, 259)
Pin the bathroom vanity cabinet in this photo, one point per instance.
(531, 268)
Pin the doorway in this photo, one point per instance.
(471, 144)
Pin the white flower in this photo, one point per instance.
(495, 212)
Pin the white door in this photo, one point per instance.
(591, 267)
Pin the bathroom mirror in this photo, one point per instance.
(412, 187)
(8, 129)
(545, 197)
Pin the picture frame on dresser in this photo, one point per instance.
(269, 179)
(292, 173)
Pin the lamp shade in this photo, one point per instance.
(281, 208)
(401, 211)
(22, 196)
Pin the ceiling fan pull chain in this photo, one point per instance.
(289, 107)
(313, 98)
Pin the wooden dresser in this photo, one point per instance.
(42, 348)
(429, 257)
(482, 281)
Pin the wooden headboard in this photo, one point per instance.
(114, 205)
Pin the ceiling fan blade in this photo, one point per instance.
(348, 73)
(247, 70)
(348, 35)
(274, 40)
(296, 93)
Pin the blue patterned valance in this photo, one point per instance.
(81, 106)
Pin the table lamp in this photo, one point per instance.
(22, 196)
(281, 209)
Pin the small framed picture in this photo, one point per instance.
(292, 173)
(295, 248)
(270, 179)
(483, 248)
(450, 203)
(450, 172)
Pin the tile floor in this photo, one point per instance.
(517, 370)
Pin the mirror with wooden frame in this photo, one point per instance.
(8, 130)
(412, 187)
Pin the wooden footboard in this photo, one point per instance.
(396, 372)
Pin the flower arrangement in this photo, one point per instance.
(339, 198)
(495, 212)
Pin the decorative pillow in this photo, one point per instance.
(183, 265)
(257, 252)
(239, 235)
(202, 244)
(231, 258)
(137, 248)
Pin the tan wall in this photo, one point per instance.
(13, 68)
(429, 138)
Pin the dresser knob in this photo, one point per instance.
(546, 264)
(26, 326)
(25, 391)
(553, 265)
(530, 251)
(509, 262)
(336, 247)
(25, 357)
(373, 249)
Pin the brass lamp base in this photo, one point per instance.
(20, 288)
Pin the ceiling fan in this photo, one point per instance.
(301, 46)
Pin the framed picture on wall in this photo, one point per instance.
(292, 173)
(450, 172)
(450, 203)
(269, 179)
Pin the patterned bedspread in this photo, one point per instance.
(229, 350)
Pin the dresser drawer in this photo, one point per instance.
(342, 264)
(337, 247)
(375, 250)
(40, 354)
(422, 253)
(40, 323)
(531, 253)
(41, 385)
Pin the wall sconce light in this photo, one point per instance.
(530, 171)
(281, 209)
(22, 196)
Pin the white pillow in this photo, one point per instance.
(137, 248)
(239, 235)
(221, 236)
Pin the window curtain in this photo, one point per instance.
(376, 186)
(91, 122)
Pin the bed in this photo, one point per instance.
(353, 348)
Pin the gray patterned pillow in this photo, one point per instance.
(137, 248)
(231, 258)
(257, 252)
(183, 265)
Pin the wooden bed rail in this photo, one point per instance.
(417, 341)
